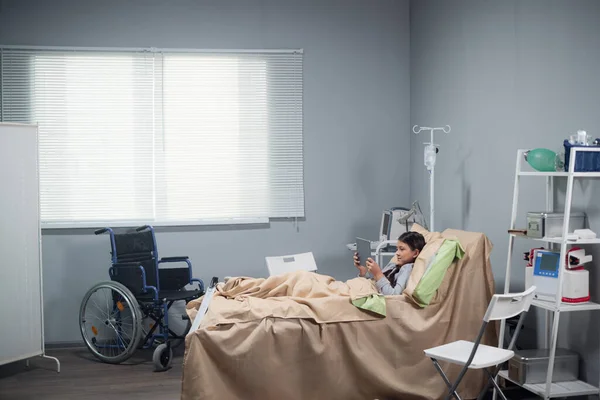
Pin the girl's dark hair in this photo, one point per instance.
(414, 240)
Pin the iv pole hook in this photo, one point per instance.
(417, 129)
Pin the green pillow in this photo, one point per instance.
(436, 270)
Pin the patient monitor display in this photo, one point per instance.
(545, 274)
(385, 224)
(391, 225)
(397, 220)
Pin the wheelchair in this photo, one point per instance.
(142, 288)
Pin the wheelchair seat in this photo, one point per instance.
(173, 295)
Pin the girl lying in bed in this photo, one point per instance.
(393, 277)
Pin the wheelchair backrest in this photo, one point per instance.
(138, 247)
(133, 245)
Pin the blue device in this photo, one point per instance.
(545, 274)
(547, 264)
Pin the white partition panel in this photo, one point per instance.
(21, 326)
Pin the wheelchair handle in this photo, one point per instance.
(100, 231)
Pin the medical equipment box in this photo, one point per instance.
(531, 366)
(541, 224)
(585, 161)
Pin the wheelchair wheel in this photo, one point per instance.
(162, 357)
(110, 322)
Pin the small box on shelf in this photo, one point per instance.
(585, 161)
(530, 366)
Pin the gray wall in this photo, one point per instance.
(356, 119)
(505, 75)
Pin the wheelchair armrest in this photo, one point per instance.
(200, 283)
(174, 259)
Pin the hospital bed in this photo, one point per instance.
(300, 336)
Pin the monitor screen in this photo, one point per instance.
(549, 261)
(386, 223)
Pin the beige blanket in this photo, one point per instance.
(297, 336)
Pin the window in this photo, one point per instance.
(160, 137)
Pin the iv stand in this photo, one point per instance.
(431, 150)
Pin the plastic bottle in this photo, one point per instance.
(559, 162)
(543, 160)
(430, 151)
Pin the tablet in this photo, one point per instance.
(363, 247)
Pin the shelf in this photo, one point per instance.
(559, 240)
(586, 174)
(561, 173)
(536, 173)
(566, 307)
(558, 389)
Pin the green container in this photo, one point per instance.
(543, 160)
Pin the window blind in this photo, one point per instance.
(161, 137)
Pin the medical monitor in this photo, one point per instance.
(386, 220)
(546, 269)
(547, 263)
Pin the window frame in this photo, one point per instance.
(160, 222)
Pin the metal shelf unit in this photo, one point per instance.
(549, 389)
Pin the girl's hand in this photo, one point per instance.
(374, 268)
(362, 269)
